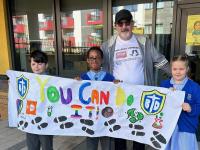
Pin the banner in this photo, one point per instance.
(43, 104)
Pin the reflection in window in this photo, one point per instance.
(148, 6)
(81, 29)
(159, 28)
(164, 18)
(33, 30)
(21, 40)
(21, 34)
(46, 32)
(148, 29)
(141, 15)
(160, 5)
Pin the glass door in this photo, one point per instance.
(187, 39)
(142, 15)
(189, 42)
(33, 29)
(81, 27)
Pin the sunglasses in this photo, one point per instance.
(126, 23)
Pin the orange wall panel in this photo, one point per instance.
(5, 59)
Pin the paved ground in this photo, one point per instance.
(14, 139)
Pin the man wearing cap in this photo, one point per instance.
(131, 58)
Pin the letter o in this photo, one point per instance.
(53, 94)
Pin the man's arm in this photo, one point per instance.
(159, 60)
(105, 64)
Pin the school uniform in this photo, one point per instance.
(35, 141)
(183, 137)
(92, 143)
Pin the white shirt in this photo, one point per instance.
(128, 61)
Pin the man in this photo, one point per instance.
(131, 58)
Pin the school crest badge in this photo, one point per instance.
(152, 102)
(22, 86)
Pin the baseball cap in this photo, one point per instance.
(123, 15)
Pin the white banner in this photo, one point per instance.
(51, 105)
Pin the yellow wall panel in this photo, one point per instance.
(5, 59)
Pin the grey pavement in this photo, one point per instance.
(14, 139)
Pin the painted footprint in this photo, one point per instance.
(110, 122)
(158, 138)
(115, 128)
(87, 122)
(66, 125)
(36, 120)
(22, 124)
(87, 130)
(60, 119)
(42, 125)
(137, 127)
(155, 143)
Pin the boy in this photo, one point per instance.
(39, 64)
(94, 60)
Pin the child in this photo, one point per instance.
(183, 137)
(94, 60)
(39, 64)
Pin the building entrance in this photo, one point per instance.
(187, 38)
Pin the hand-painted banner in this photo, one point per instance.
(51, 105)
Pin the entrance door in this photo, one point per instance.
(187, 39)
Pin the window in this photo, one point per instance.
(148, 6)
(148, 29)
(159, 28)
(160, 5)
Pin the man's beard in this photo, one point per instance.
(125, 34)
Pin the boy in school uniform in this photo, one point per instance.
(39, 64)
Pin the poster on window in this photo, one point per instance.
(43, 104)
(193, 30)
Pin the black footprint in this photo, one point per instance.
(66, 125)
(36, 120)
(137, 127)
(87, 122)
(25, 124)
(22, 124)
(155, 143)
(138, 133)
(110, 122)
(88, 131)
(42, 125)
(159, 137)
(60, 119)
(115, 127)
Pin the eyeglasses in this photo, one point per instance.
(126, 23)
(93, 58)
